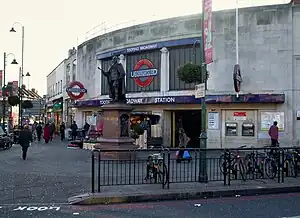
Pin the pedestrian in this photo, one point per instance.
(25, 140)
(273, 133)
(74, 129)
(52, 130)
(39, 130)
(86, 129)
(62, 129)
(47, 133)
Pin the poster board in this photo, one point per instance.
(267, 119)
(213, 120)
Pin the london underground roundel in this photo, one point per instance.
(143, 73)
(76, 90)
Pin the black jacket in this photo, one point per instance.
(25, 138)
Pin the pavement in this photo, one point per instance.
(267, 206)
(51, 173)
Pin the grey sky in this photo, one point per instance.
(52, 27)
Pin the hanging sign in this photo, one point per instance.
(143, 73)
(76, 90)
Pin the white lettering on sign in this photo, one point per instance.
(32, 208)
(147, 47)
(143, 73)
(134, 101)
(36, 208)
(133, 49)
(102, 102)
(164, 100)
(20, 208)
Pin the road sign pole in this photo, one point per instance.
(203, 134)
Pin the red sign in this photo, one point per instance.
(76, 90)
(239, 114)
(208, 31)
(143, 73)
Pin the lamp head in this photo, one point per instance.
(14, 61)
(27, 74)
(12, 30)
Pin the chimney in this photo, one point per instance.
(33, 90)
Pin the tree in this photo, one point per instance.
(192, 73)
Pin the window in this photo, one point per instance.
(61, 86)
(74, 66)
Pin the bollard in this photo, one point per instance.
(93, 172)
(163, 175)
(224, 167)
(99, 169)
(168, 173)
(202, 163)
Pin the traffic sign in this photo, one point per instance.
(200, 90)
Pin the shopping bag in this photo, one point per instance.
(186, 155)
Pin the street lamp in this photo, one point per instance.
(4, 78)
(22, 67)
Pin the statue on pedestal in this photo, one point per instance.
(116, 80)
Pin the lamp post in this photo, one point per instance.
(3, 82)
(22, 69)
(28, 75)
(203, 135)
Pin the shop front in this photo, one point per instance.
(231, 121)
(57, 114)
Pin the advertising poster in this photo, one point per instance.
(213, 120)
(267, 119)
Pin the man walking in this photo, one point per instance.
(39, 130)
(25, 140)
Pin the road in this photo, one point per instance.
(269, 206)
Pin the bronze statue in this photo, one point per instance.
(116, 80)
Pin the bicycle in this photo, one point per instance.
(233, 163)
(157, 171)
(271, 162)
(254, 163)
(291, 163)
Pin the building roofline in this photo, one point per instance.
(56, 67)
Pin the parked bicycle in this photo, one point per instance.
(292, 162)
(233, 163)
(157, 171)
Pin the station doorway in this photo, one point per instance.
(190, 121)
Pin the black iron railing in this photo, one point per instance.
(136, 167)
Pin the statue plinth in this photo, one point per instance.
(116, 131)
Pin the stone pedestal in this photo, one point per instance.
(116, 131)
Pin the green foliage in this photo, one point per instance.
(190, 73)
(13, 100)
(138, 129)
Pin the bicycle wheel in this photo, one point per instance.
(289, 168)
(242, 169)
(223, 163)
(270, 168)
(162, 174)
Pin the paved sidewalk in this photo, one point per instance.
(154, 192)
(51, 174)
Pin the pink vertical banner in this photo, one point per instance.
(208, 31)
(1, 82)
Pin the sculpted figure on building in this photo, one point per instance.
(116, 80)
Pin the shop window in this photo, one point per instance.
(248, 129)
(231, 129)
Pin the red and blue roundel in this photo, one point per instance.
(143, 73)
(76, 90)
